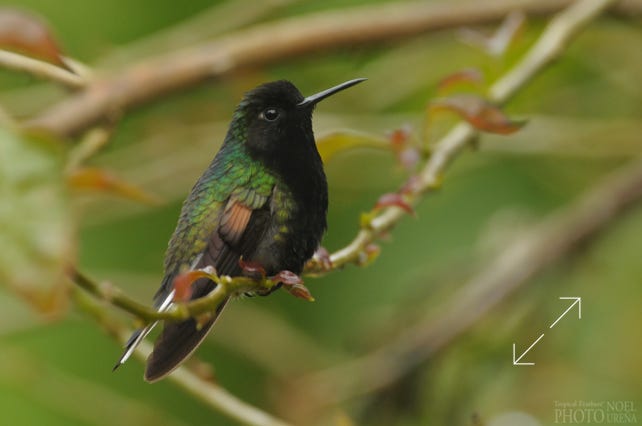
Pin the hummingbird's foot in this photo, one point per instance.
(256, 271)
(293, 284)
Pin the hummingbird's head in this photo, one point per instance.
(277, 119)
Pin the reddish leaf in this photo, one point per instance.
(468, 75)
(183, 282)
(394, 199)
(288, 278)
(399, 137)
(480, 113)
(252, 268)
(27, 34)
(300, 291)
(101, 180)
(407, 154)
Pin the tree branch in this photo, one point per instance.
(40, 69)
(268, 43)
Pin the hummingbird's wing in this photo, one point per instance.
(223, 219)
(238, 233)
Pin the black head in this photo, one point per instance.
(277, 120)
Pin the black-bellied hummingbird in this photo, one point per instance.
(263, 199)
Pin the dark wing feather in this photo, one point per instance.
(239, 230)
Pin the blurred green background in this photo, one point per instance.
(584, 121)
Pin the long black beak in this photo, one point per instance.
(314, 99)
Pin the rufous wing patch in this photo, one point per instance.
(234, 221)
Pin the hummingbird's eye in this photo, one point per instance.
(270, 114)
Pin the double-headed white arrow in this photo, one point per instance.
(578, 302)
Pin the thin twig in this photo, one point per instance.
(40, 69)
(548, 47)
(520, 261)
(268, 43)
(552, 240)
(179, 311)
(205, 390)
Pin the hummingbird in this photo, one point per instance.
(263, 199)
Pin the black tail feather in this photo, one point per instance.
(176, 342)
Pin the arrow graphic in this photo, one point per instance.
(578, 302)
(516, 361)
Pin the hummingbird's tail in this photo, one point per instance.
(177, 341)
(138, 335)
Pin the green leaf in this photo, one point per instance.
(333, 143)
(36, 239)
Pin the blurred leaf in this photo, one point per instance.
(399, 137)
(407, 154)
(27, 34)
(466, 76)
(498, 43)
(331, 144)
(36, 239)
(101, 180)
(478, 112)
(89, 145)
